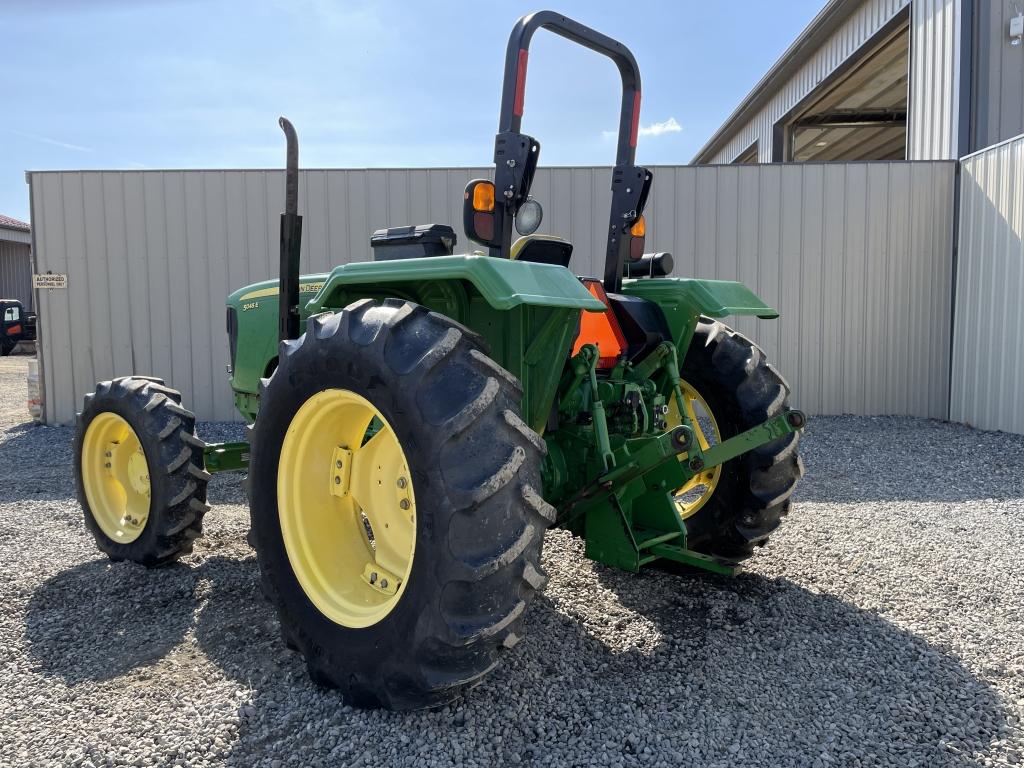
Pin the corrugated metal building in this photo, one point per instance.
(15, 261)
(850, 239)
(998, 84)
(918, 80)
(151, 255)
(884, 80)
(988, 338)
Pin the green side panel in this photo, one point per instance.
(309, 285)
(532, 342)
(505, 284)
(256, 312)
(683, 300)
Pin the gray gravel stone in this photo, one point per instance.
(881, 627)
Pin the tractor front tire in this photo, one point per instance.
(139, 471)
(752, 493)
(395, 501)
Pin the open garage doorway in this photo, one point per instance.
(858, 114)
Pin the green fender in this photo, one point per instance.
(504, 284)
(527, 312)
(684, 300)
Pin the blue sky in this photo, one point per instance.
(90, 84)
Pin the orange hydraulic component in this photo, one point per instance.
(600, 328)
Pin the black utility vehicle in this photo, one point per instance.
(16, 325)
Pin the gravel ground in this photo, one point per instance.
(883, 626)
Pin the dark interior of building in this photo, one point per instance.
(860, 114)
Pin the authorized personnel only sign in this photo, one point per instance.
(50, 280)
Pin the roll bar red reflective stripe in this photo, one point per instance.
(517, 106)
(636, 120)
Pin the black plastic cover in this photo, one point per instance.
(543, 251)
(642, 322)
(413, 242)
(650, 265)
(232, 335)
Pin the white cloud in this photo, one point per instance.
(665, 126)
(654, 129)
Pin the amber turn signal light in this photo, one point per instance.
(483, 197)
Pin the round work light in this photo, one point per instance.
(529, 217)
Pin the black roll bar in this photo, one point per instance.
(517, 53)
(514, 152)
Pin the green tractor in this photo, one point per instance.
(419, 420)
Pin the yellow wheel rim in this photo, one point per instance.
(695, 494)
(116, 477)
(347, 509)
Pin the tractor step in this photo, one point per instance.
(654, 545)
(695, 559)
(647, 538)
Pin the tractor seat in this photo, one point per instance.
(542, 249)
(413, 242)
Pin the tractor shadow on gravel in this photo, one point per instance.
(38, 463)
(798, 674)
(101, 620)
(696, 669)
(688, 666)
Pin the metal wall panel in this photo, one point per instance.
(998, 75)
(151, 255)
(15, 235)
(988, 336)
(848, 252)
(933, 116)
(16, 272)
(857, 257)
(843, 43)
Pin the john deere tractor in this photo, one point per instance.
(419, 420)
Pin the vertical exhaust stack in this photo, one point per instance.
(291, 240)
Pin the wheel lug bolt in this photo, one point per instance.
(404, 504)
(373, 577)
(338, 463)
(337, 480)
(383, 583)
(402, 482)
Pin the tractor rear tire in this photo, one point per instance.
(477, 516)
(753, 492)
(149, 508)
